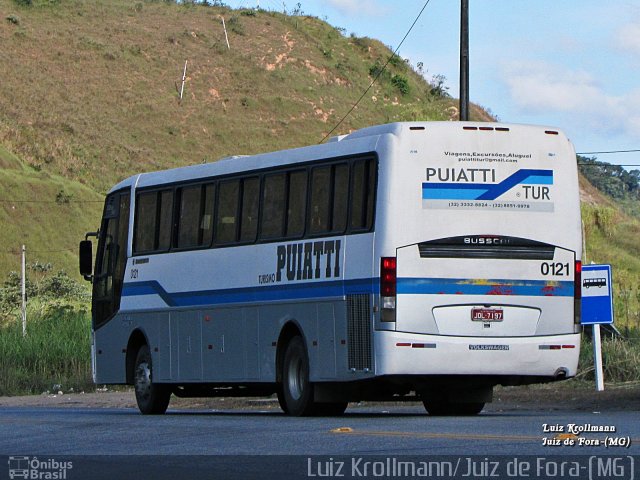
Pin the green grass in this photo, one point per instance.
(612, 238)
(48, 214)
(620, 358)
(55, 355)
(100, 103)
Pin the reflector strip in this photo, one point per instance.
(483, 286)
(416, 345)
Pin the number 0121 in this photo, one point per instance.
(557, 268)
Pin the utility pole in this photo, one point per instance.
(464, 60)
(23, 282)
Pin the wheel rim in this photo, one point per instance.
(295, 378)
(143, 380)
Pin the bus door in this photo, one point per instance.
(485, 286)
(111, 258)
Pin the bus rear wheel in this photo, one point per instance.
(152, 398)
(296, 392)
(439, 408)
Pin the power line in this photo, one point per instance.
(60, 202)
(609, 164)
(17, 252)
(379, 73)
(607, 152)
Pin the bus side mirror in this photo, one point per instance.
(86, 257)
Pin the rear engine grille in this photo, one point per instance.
(359, 331)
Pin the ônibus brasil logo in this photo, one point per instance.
(37, 469)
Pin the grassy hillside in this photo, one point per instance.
(611, 237)
(47, 213)
(97, 85)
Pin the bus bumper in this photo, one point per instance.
(399, 353)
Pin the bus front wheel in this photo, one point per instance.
(152, 398)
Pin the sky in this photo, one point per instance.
(571, 64)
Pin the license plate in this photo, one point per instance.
(487, 314)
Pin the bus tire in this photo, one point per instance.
(438, 409)
(297, 390)
(281, 400)
(152, 398)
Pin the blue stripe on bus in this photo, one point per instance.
(484, 191)
(465, 286)
(253, 294)
(338, 288)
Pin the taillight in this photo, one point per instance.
(577, 293)
(388, 277)
(388, 289)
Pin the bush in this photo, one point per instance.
(600, 218)
(401, 83)
(58, 288)
(235, 26)
(438, 87)
(375, 69)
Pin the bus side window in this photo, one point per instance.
(340, 198)
(250, 199)
(165, 215)
(320, 199)
(296, 203)
(227, 211)
(273, 206)
(206, 222)
(189, 216)
(362, 188)
(145, 222)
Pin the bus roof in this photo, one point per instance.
(358, 142)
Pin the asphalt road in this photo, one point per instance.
(317, 444)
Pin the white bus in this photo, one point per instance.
(425, 260)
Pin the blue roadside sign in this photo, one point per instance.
(597, 296)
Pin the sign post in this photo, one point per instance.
(597, 309)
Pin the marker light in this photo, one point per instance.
(577, 293)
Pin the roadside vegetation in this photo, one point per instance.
(55, 353)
